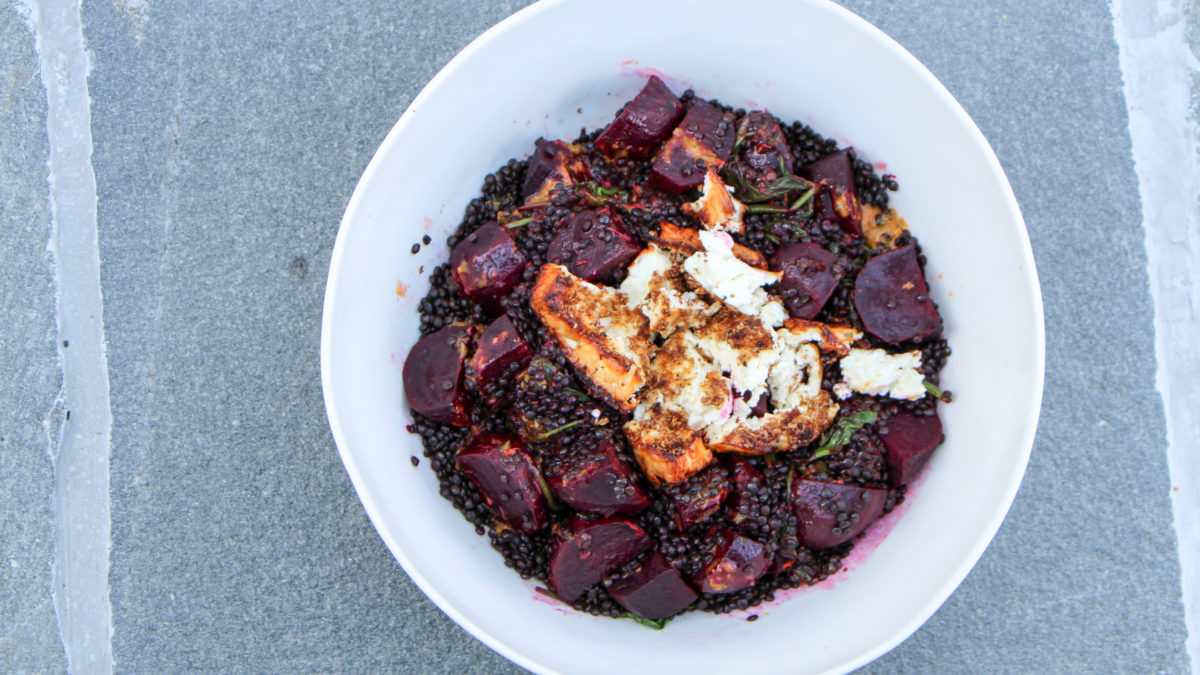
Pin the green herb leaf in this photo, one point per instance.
(564, 427)
(583, 395)
(788, 486)
(656, 624)
(518, 223)
(772, 238)
(933, 390)
(841, 432)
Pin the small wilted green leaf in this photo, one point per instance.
(933, 389)
(656, 624)
(842, 431)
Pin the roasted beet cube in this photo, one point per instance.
(703, 139)
(589, 550)
(737, 562)
(892, 299)
(836, 200)
(762, 149)
(507, 478)
(552, 163)
(836, 168)
(596, 480)
(655, 590)
(909, 441)
(593, 245)
(643, 124)
(699, 497)
(832, 513)
(499, 355)
(433, 374)
(810, 275)
(746, 482)
(487, 265)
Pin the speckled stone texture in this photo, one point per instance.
(228, 138)
(30, 414)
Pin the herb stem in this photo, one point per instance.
(518, 223)
(564, 427)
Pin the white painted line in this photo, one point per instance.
(1158, 68)
(81, 498)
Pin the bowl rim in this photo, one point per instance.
(956, 109)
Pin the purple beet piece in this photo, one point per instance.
(499, 355)
(836, 199)
(597, 481)
(737, 563)
(745, 481)
(703, 139)
(591, 550)
(555, 161)
(763, 148)
(909, 441)
(655, 590)
(507, 478)
(810, 275)
(699, 497)
(892, 299)
(593, 245)
(487, 265)
(433, 374)
(643, 124)
(836, 168)
(832, 513)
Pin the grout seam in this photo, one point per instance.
(82, 520)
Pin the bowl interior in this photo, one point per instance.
(560, 66)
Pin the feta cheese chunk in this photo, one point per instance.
(655, 287)
(878, 373)
(735, 283)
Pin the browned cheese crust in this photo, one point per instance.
(608, 343)
(664, 446)
(687, 240)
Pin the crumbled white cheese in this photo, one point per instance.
(878, 373)
(650, 263)
(732, 281)
(747, 372)
(796, 376)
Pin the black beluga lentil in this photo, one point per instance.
(559, 419)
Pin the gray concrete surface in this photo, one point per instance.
(228, 138)
(30, 414)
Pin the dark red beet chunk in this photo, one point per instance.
(892, 299)
(746, 480)
(643, 124)
(736, 564)
(831, 513)
(554, 161)
(763, 148)
(836, 200)
(699, 497)
(593, 245)
(433, 374)
(590, 551)
(655, 590)
(487, 265)
(810, 275)
(597, 481)
(500, 354)
(508, 480)
(703, 139)
(837, 168)
(909, 441)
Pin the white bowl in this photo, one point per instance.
(558, 66)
